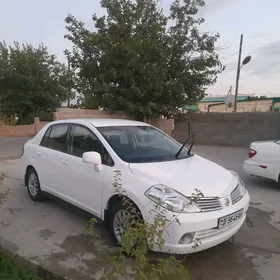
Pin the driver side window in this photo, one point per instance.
(83, 140)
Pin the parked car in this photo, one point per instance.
(76, 160)
(264, 160)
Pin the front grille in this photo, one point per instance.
(235, 195)
(209, 204)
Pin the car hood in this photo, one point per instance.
(186, 175)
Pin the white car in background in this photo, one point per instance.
(264, 159)
(76, 161)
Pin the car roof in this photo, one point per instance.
(98, 122)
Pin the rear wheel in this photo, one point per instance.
(33, 186)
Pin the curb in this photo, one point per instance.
(38, 270)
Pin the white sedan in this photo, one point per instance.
(76, 161)
(264, 160)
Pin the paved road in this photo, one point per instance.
(11, 147)
(54, 234)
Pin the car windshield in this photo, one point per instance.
(140, 144)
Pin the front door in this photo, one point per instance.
(84, 187)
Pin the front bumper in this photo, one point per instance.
(204, 227)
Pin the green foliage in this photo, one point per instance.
(31, 80)
(10, 270)
(138, 237)
(44, 116)
(88, 102)
(142, 61)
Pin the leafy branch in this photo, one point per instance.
(138, 237)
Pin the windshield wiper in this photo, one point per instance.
(180, 150)
(189, 150)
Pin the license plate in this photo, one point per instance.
(229, 219)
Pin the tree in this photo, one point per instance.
(31, 80)
(139, 60)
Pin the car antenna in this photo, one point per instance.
(180, 150)
(189, 150)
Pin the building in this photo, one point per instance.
(249, 105)
(188, 108)
(218, 99)
(245, 103)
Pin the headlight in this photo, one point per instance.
(170, 199)
(241, 185)
(242, 188)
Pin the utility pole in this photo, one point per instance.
(238, 73)
(69, 69)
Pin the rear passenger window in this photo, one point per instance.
(58, 137)
(45, 139)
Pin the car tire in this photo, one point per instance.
(33, 185)
(115, 223)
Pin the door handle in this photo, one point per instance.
(39, 154)
(65, 162)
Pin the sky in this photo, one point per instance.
(35, 22)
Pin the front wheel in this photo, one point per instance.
(33, 186)
(123, 225)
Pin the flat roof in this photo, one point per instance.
(222, 99)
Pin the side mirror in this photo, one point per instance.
(93, 158)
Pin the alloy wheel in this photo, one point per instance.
(33, 184)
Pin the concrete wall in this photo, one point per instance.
(236, 129)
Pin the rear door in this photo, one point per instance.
(50, 158)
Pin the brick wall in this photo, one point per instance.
(68, 113)
(17, 130)
(235, 129)
(21, 130)
(163, 124)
